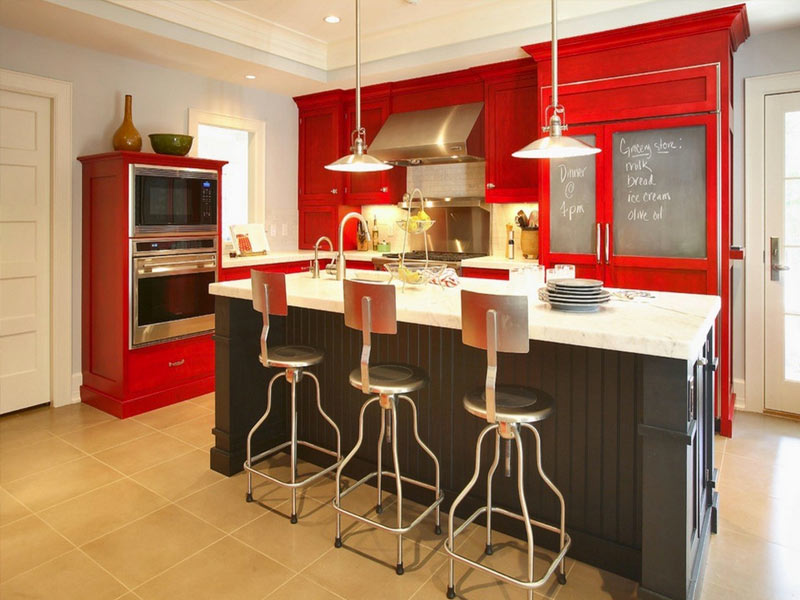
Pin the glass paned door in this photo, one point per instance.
(782, 237)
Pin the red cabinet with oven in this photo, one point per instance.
(118, 378)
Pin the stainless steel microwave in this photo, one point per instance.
(171, 200)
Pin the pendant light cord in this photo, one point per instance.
(358, 68)
(554, 51)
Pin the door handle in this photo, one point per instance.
(177, 363)
(775, 267)
(490, 186)
(608, 238)
(334, 191)
(597, 247)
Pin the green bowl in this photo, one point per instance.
(171, 143)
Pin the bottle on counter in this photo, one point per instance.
(510, 246)
(374, 232)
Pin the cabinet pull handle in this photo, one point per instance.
(334, 191)
(598, 244)
(608, 238)
(702, 361)
(490, 186)
(177, 363)
(384, 189)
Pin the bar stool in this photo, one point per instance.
(500, 324)
(269, 298)
(371, 308)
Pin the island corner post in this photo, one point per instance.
(630, 447)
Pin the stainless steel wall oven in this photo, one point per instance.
(169, 288)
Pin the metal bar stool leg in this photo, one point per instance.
(327, 418)
(293, 517)
(337, 503)
(489, 478)
(258, 424)
(438, 527)
(561, 575)
(450, 543)
(396, 461)
(384, 417)
(523, 503)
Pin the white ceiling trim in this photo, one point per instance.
(231, 24)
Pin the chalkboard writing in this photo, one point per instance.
(660, 192)
(572, 203)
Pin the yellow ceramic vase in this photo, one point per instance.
(127, 137)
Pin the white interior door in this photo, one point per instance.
(782, 260)
(25, 138)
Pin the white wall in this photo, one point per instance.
(765, 54)
(161, 99)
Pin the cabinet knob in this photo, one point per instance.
(490, 186)
(177, 363)
(335, 191)
(384, 189)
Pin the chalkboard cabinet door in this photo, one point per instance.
(571, 222)
(511, 125)
(661, 204)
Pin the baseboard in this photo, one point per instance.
(75, 391)
(738, 389)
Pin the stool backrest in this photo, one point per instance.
(269, 298)
(369, 307)
(496, 324)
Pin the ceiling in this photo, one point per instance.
(290, 49)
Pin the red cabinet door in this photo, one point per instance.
(316, 220)
(572, 209)
(511, 123)
(320, 144)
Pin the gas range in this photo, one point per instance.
(453, 259)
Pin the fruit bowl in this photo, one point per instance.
(414, 272)
(416, 225)
(171, 143)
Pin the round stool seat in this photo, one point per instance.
(294, 357)
(391, 379)
(513, 404)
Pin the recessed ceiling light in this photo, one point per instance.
(249, 76)
(331, 19)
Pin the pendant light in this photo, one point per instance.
(555, 145)
(359, 161)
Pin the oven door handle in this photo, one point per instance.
(143, 271)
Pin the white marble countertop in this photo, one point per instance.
(498, 262)
(284, 256)
(670, 325)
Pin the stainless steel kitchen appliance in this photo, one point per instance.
(169, 288)
(172, 200)
(462, 225)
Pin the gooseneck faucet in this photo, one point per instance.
(341, 267)
(315, 266)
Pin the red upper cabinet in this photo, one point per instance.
(511, 123)
(321, 142)
(381, 187)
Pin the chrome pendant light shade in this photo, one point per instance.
(359, 161)
(555, 144)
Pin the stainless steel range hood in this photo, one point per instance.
(449, 134)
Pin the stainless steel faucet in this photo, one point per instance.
(315, 264)
(341, 267)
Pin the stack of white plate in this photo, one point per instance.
(574, 295)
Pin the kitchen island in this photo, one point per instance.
(630, 445)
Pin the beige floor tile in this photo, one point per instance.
(749, 474)
(47, 488)
(147, 547)
(18, 462)
(470, 584)
(143, 453)
(759, 569)
(99, 437)
(206, 400)
(223, 504)
(585, 582)
(768, 439)
(73, 576)
(301, 543)
(226, 570)
(174, 414)
(10, 508)
(75, 416)
(32, 418)
(12, 437)
(180, 476)
(712, 591)
(321, 490)
(749, 511)
(100, 511)
(196, 432)
(300, 587)
(27, 543)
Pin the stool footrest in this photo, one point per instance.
(376, 524)
(248, 465)
(528, 585)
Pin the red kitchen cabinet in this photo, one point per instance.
(500, 274)
(511, 123)
(666, 74)
(118, 379)
(321, 141)
(317, 220)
